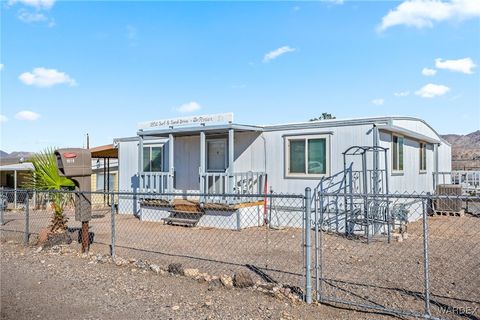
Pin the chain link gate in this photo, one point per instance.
(384, 253)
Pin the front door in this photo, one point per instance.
(217, 155)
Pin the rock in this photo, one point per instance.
(405, 236)
(215, 283)
(227, 281)
(174, 308)
(208, 303)
(120, 261)
(242, 279)
(43, 236)
(132, 260)
(56, 239)
(155, 268)
(39, 249)
(188, 272)
(175, 268)
(140, 264)
(266, 286)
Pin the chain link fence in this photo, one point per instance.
(261, 234)
(403, 254)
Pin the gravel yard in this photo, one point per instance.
(62, 285)
(376, 274)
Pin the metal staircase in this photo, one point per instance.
(350, 202)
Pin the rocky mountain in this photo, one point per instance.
(14, 157)
(465, 150)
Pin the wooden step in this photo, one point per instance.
(181, 221)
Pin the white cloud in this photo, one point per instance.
(465, 65)
(429, 72)
(29, 17)
(296, 8)
(277, 53)
(39, 4)
(27, 115)
(432, 90)
(333, 1)
(189, 107)
(3, 118)
(402, 94)
(378, 101)
(131, 32)
(1, 66)
(42, 77)
(423, 13)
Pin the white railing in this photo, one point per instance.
(153, 182)
(469, 180)
(216, 184)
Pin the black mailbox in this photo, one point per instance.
(76, 164)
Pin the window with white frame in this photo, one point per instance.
(307, 156)
(423, 156)
(397, 153)
(102, 184)
(152, 158)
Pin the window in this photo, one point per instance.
(152, 159)
(423, 156)
(306, 156)
(101, 182)
(397, 153)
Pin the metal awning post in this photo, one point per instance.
(140, 163)
(202, 169)
(171, 165)
(104, 181)
(15, 188)
(231, 166)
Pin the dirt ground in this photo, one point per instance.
(379, 274)
(63, 285)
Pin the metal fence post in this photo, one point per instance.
(26, 234)
(2, 209)
(308, 245)
(112, 220)
(425, 255)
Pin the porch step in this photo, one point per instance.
(181, 221)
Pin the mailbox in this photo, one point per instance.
(76, 164)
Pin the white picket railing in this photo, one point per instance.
(154, 182)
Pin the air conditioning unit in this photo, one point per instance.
(452, 204)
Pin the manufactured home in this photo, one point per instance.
(213, 156)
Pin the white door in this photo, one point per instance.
(217, 155)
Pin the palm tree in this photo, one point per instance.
(47, 178)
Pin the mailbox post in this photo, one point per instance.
(76, 164)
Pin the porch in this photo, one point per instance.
(204, 160)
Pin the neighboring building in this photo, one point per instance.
(104, 173)
(232, 158)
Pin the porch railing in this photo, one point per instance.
(154, 182)
(216, 184)
(469, 180)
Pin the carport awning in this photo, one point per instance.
(407, 133)
(106, 151)
(25, 166)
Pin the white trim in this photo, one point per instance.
(306, 137)
(162, 153)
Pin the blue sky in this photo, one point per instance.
(69, 68)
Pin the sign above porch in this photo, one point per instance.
(185, 121)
